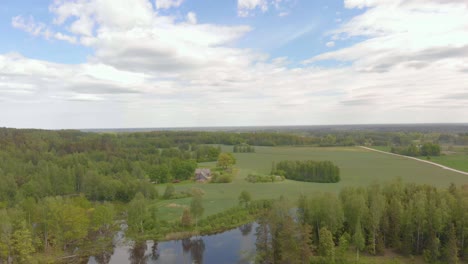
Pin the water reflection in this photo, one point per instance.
(197, 249)
(233, 246)
(246, 229)
(137, 253)
(104, 257)
(154, 251)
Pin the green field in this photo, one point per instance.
(456, 157)
(359, 167)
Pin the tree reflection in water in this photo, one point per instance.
(105, 256)
(196, 247)
(137, 253)
(154, 251)
(246, 229)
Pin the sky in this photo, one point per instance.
(192, 63)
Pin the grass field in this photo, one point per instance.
(359, 167)
(456, 157)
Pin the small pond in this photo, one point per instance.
(232, 246)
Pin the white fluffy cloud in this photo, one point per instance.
(153, 70)
(246, 8)
(39, 29)
(166, 4)
(192, 18)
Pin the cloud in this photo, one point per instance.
(166, 4)
(39, 29)
(330, 44)
(246, 8)
(150, 69)
(192, 18)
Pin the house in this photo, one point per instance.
(202, 175)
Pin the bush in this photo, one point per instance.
(221, 177)
(258, 178)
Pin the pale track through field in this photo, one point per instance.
(425, 161)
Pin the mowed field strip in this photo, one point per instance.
(359, 167)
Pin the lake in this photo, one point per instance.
(232, 246)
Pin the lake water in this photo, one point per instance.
(233, 246)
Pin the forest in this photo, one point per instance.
(413, 220)
(309, 171)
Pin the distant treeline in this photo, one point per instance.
(243, 148)
(427, 149)
(309, 171)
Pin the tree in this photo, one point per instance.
(376, 209)
(432, 251)
(226, 160)
(186, 219)
(22, 244)
(66, 222)
(196, 207)
(305, 241)
(244, 198)
(358, 239)
(6, 230)
(343, 245)
(451, 248)
(102, 217)
(137, 213)
(325, 211)
(326, 244)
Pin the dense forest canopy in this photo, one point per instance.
(308, 170)
(416, 220)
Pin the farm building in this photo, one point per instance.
(202, 175)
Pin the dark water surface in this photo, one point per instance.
(233, 246)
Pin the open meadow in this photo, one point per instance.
(359, 167)
(455, 157)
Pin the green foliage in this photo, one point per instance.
(243, 148)
(226, 160)
(358, 239)
(196, 207)
(207, 153)
(21, 244)
(221, 177)
(186, 219)
(343, 245)
(259, 178)
(451, 248)
(67, 222)
(138, 213)
(102, 217)
(245, 198)
(310, 171)
(427, 149)
(326, 245)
